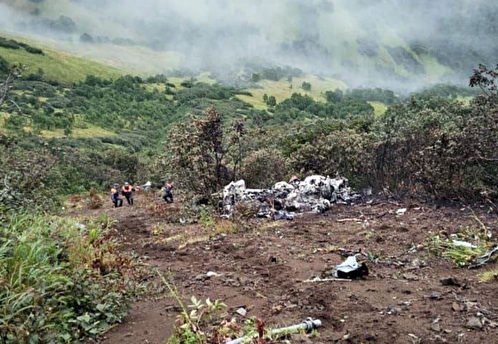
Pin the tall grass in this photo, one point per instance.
(61, 282)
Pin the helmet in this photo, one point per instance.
(126, 183)
(116, 185)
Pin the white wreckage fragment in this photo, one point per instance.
(314, 194)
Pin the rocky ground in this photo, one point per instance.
(410, 295)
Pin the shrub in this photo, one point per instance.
(32, 50)
(9, 44)
(342, 152)
(62, 281)
(263, 168)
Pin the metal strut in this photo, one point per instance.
(307, 325)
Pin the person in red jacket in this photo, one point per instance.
(127, 191)
(118, 201)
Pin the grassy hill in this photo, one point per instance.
(282, 89)
(56, 64)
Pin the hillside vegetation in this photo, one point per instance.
(72, 139)
(56, 65)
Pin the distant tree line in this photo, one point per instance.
(13, 44)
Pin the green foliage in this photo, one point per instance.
(445, 246)
(439, 148)
(198, 153)
(205, 219)
(4, 66)
(13, 44)
(373, 94)
(273, 74)
(446, 91)
(306, 86)
(200, 322)
(264, 167)
(61, 282)
(25, 175)
(271, 101)
(202, 90)
(343, 152)
(429, 146)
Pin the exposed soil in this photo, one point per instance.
(263, 268)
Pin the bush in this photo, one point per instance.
(343, 152)
(62, 281)
(263, 168)
(9, 44)
(4, 66)
(32, 50)
(306, 86)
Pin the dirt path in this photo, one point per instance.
(262, 269)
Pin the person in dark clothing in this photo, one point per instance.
(168, 195)
(118, 201)
(127, 191)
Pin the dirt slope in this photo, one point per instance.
(402, 300)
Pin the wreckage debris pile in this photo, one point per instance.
(314, 194)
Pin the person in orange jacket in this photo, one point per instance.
(118, 201)
(127, 191)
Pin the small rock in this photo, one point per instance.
(435, 296)
(394, 310)
(410, 277)
(414, 338)
(474, 323)
(201, 277)
(440, 339)
(369, 337)
(450, 282)
(435, 327)
(457, 307)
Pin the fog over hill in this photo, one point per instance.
(389, 43)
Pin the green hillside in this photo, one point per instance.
(57, 65)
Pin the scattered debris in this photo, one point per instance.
(210, 274)
(80, 226)
(319, 279)
(350, 220)
(486, 258)
(313, 194)
(241, 311)
(206, 276)
(282, 215)
(350, 269)
(459, 243)
(401, 211)
(308, 325)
